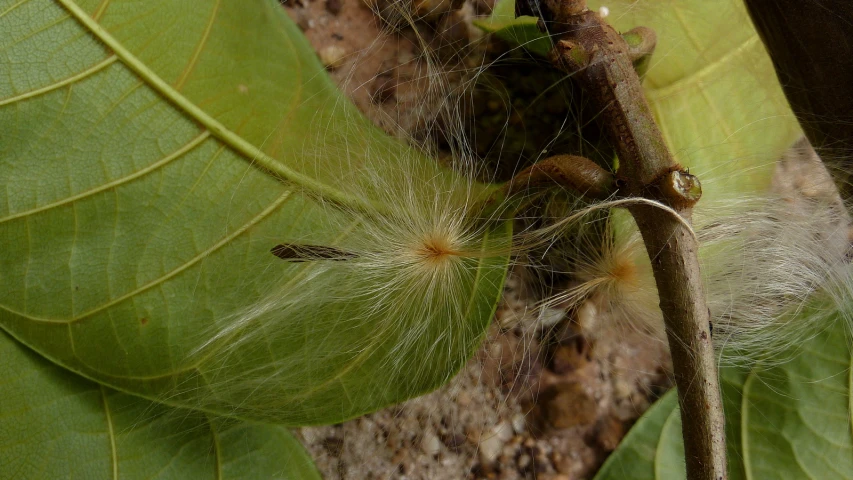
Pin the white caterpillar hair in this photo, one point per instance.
(776, 267)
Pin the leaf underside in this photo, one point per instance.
(791, 421)
(57, 425)
(151, 155)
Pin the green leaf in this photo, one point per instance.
(635, 457)
(710, 84)
(797, 417)
(792, 421)
(516, 31)
(57, 425)
(154, 152)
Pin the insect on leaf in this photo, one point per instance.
(152, 155)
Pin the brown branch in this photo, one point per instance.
(600, 60)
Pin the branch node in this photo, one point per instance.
(680, 189)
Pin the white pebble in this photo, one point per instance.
(519, 424)
(430, 444)
(503, 431)
(332, 56)
(548, 317)
(603, 11)
(490, 447)
(587, 317)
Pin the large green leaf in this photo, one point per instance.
(58, 425)
(792, 421)
(710, 84)
(151, 155)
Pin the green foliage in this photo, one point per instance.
(154, 153)
(58, 425)
(792, 421)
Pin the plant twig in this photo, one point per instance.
(601, 61)
(581, 175)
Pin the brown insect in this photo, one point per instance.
(296, 252)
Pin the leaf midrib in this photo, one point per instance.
(249, 151)
(110, 432)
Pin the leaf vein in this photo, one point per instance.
(111, 432)
(115, 183)
(61, 83)
(99, 12)
(707, 71)
(189, 263)
(179, 84)
(250, 152)
(13, 7)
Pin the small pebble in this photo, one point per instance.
(567, 405)
(551, 316)
(603, 11)
(490, 447)
(334, 6)
(519, 423)
(622, 388)
(332, 56)
(564, 465)
(503, 431)
(473, 434)
(587, 316)
(334, 446)
(610, 433)
(309, 434)
(430, 444)
(304, 22)
(453, 440)
(566, 359)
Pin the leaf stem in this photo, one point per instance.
(600, 60)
